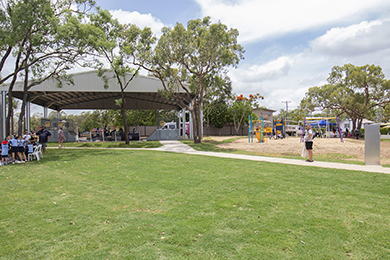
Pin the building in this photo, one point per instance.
(266, 113)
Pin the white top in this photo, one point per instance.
(308, 135)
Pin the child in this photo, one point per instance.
(30, 146)
(4, 152)
(13, 143)
(21, 149)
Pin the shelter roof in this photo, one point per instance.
(88, 92)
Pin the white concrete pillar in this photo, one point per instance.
(183, 118)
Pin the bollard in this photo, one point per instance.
(372, 138)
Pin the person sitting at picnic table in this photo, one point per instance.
(44, 136)
(26, 136)
(30, 146)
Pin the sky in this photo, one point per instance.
(289, 45)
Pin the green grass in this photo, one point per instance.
(125, 204)
(146, 144)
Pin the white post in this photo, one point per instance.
(45, 112)
(183, 115)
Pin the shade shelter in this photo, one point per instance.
(88, 92)
(317, 121)
(322, 123)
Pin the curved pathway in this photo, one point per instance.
(179, 147)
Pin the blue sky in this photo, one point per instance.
(290, 45)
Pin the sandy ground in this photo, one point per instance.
(351, 149)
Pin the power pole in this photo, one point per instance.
(285, 123)
(286, 108)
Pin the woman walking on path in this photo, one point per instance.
(61, 137)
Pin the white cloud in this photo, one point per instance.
(357, 39)
(272, 70)
(259, 19)
(141, 20)
(290, 76)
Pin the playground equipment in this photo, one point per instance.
(321, 122)
(259, 130)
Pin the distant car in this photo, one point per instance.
(291, 129)
(173, 126)
(334, 135)
(169, 126)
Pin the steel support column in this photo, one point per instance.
(3, 115)
(28, 115)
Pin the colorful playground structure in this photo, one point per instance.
(256, 130)
(261, 128)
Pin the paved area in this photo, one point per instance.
(179, 147)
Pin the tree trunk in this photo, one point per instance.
(195, 114)
(24, 101)
(353, 126)
(238, 125)
(123, 112)
(199, 124)
(10, 114)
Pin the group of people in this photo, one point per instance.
(16, 148)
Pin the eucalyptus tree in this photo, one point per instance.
(114, 45)
(47, 37)
(353, 90)
(215, 104)
(189, 59)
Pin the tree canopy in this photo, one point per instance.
(191, 59)
(352, 90)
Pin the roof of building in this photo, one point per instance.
(88, 92)
(264, 109)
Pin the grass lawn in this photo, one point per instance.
(126, 204)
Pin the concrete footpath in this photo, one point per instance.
(179, 147)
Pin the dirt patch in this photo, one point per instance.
(351, 149)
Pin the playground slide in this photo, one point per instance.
(258, 136)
